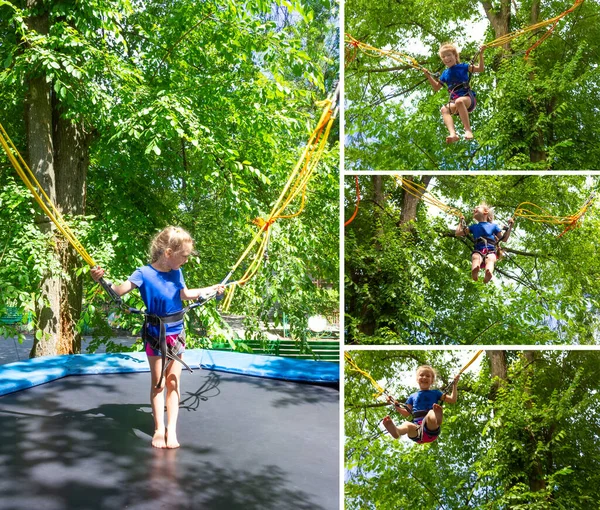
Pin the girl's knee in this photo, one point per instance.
(172, 383)
(445, 110)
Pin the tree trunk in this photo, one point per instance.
(410, 203)
(40, 152)
(71, 163)
(379, 199)
(58, 157)
(536, 471)
(499, 19)
(499, 370)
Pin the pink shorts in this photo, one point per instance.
(424, 434)
(171, 341)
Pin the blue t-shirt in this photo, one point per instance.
(455, 75)
(486, 230)
(160, 293)
(423, 400)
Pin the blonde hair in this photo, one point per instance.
(427, 367)
(170, 237)
(489, 216)
(448, 46)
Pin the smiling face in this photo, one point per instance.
(425, 377)
(449, 58)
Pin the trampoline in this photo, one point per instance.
(250, 439)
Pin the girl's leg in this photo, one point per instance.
(406, 428)
(434, 417)
(157, 401)
(173, 384)
(475, 265)
(449, 122)
(462, 105)
(490, 261)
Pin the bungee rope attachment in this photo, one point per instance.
(168, 354)
(449, 386)
(537, 214)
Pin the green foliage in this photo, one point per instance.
(197, 113)
(411, 284)
(531, 114)
(530, 444)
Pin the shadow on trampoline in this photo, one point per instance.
(248, 442)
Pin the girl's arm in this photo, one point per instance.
(435, 85)
(480, 66)
(193, 294)
(401, 409)
(454, 395)
(120, 290)
(506, 235)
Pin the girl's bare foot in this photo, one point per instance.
(172, 440)
(453, 138)
(391, 428)
(469, 135)
(158, 440)
(439, 413)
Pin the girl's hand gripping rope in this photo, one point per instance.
(399, 407)
(97, 274)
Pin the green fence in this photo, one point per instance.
(321, 350)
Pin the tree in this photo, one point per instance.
(528, 444)
(177, 113)
(413, 285)
(531, 113)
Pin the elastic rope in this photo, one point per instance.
(477, 354)
(537, 214)
(40, 196)
(371, 51)
(419, 191)
(295, 185)
(357, 203)
(356, 368)
(506, 38)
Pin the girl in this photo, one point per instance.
(487, 235)
(456, 78)
(423, 405)
(163, 289)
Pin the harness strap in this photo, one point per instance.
(486, 242)
(155, 320)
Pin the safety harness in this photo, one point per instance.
(489, 247)
(466, 86)
(169, 353)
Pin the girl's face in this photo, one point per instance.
(176, 259)
(425, 378)
(448, 58)
(479, 213)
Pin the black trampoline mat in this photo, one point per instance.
(247, 442)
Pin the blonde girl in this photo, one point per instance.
(163, 290)
(423, 405)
